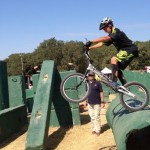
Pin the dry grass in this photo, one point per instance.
(76, 138)
(80, 137)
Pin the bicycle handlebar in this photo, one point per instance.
(88, 56)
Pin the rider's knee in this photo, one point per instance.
(113, 60)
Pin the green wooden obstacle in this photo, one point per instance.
(12, 119)
(39, 123)
(62, 113)
(67, 113)
(131, 129)
(4, 98)
(16, 86)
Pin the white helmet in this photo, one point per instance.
(105, 22)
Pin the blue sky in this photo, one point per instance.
(25, 24)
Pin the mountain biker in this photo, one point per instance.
(127, 50)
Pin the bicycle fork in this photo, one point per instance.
(123, 90)
(81, 80)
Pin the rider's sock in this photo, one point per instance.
(121, 77)
(114, 72)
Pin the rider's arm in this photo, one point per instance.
(96, 45)
(101, 39)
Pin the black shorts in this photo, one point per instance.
(124, 59)
(124, 63)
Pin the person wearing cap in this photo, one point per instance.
(127, 50)
(95, 102)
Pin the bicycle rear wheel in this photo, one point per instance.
(140, 100)
(74, 88)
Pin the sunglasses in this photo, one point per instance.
(90, 75)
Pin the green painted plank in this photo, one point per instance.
(35, 79)
(12, 120)
(39, 123)
(16, 86)
(61, 114)
(61, 111)
(61, 117)
(29, 93)
(4, 98)
(76, 116)
(53, 119)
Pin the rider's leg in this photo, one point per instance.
(114, 64)
(121, 77)
(122, 64)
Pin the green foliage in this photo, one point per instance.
(14, 64)
(144, 56)
(71, 52)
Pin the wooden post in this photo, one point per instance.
(39, 123)
(4, 98)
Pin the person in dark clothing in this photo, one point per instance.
(95, 103)
(127, 50)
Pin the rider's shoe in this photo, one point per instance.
(114, 85)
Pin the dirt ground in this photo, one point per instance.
(76, 138)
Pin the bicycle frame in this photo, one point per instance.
(90, 67)
(104, 78)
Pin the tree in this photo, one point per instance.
(72, 52)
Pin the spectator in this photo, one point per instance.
(95, 103)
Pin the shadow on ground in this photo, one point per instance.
(55, 138)
(104, 128)
(113, 147)
(14, 137)
(85, 118)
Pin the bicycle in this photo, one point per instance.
(75, 88)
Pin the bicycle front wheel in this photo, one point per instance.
(139, 101)
(74, 88)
